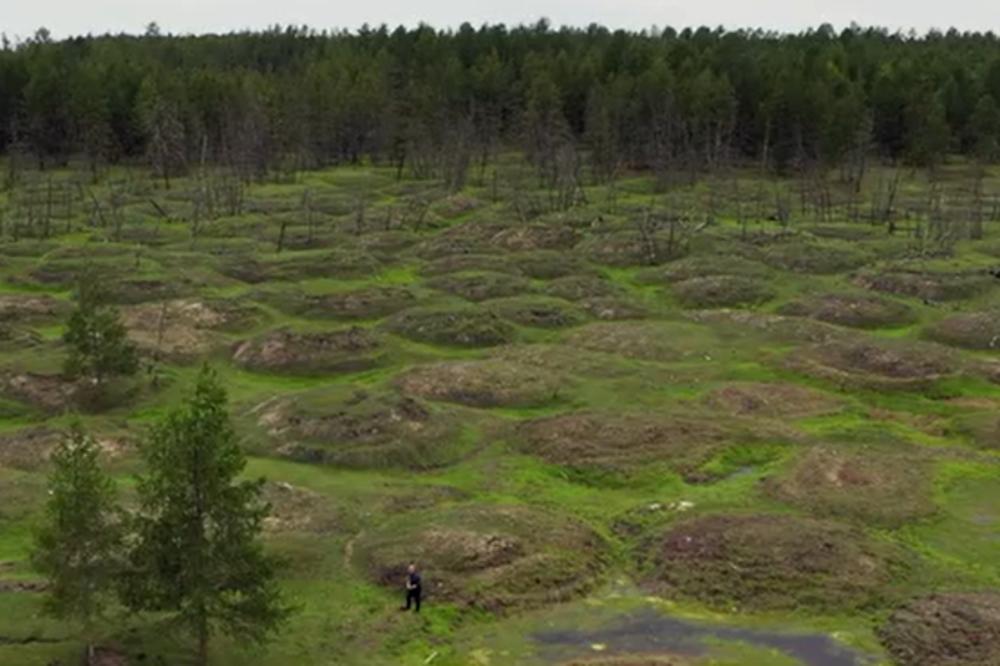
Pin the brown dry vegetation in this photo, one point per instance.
(350, 350)
(487, 383)
(772, 400)
(956, 629)
(854, 310)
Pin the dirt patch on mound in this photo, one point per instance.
(946, 630)
(971, 330)
(887, 488)
(764, 562)
(580, 287)
(491, 557)
(701, 266)
(459, 326)
(539, 312)
(21, 308)
(49, 393)
(927, 286)
(625, 442)
(295, 509)
(816, 258)
(548, 264)
(646, 341)
(722, 291)
(184, 329)
(489, 383)
(854, 310)
(465, 263)
(480, 286)
(351, 350)
(874, 364)
(359, 429)
(139, 290)
(28, 449)
(771, 400)
(366, 303)
(536, 237)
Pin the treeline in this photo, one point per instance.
(435, 102)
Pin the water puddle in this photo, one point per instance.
(647, 631)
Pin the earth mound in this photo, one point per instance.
(364, 303)
(539, 311)
(28, 449)
(874, 364)
(466, 263)
(954, 629)
(983, 428)
(187, 328)
(970, 330)
(487, 383)
(769, 326)
(874, 486)
(480, 286)
(450, 325)
(358, 429)
(22, 308)
(624, 249)
(295, 509)
(548, 264)
(853, 310)
(773, 562)
(48, 393)
(771, 400)
(580, 287)
(613, 309)
(351, 350)
(645, 341)
(625, 442)
(815, 258)
(927, 286)
(629, 660)
(703, 266)
(536, 237)
(490, 557)
(722, 291)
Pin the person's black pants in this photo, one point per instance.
(413, 598)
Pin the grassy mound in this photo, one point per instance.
(463, 263)
(722, 291)
(338, 426)
(350, 350)
(184, 329)
(547, 264)
(48, 393)
(365, 303)
(701, 266)
(875, 364)
(28, 449)
(24, 308)
(488, 383)
(580, 287)
(773, 562)
(982, 428)
(945, 630)
(450, 325)
(466, 238)
(816, 258)
(770, 400)
(491, 557)
(875, 486)
(613, 309)
(295, 509)
(854, 310)
(778, 328)
(480, 286)
(630, 660)
(626, 248)
(971, 330)
(290, 267)
(647, 341)
(536, 237)
(539, 311)
(625, 442)
(927, 286)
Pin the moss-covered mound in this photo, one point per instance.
(486, 383)
(628, 248)
(816, 258)
(349, 350)
(927, 286)
(465, 263)
(480, 286)
(614, 309)
(773, 562)
(548, 264)
(536, 237)
(28, 449)
(885, 487)
(580, 287)
(982, 428)
(647, 341)
(451, 325)
(875, 364)
(365, 303)
(771, 400)
(971, 330)
(48, 393)
(854, 310)
(956, 629)
(340, 426)
(24, 308)
(704, 265)
(490, 557)
(539, 311)
(341, 263)
(722, 291)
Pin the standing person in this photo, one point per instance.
(412, 588)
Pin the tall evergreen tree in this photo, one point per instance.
(197, 554)
(97, 339)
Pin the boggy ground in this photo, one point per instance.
(787, 424)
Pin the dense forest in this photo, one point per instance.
(433, 102)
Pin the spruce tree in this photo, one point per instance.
(77, 546)
(197, 554)
(98, 341)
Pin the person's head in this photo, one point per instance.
(412, 568)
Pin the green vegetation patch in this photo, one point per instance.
(722, 291)
(490, 557)
(971, 330)
(330, 352)
(851, 309)
(774, 562)
(883, 486)
(461, 326)
(341, 426)
(486, 383)
(952, 629)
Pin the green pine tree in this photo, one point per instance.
(197, 553)
(98, 341)
(77, 546)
